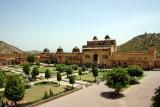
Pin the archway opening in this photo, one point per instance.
(95, 58)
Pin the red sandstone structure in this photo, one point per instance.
(103, 53)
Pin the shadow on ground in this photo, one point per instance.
(135, 83)
(111, 95)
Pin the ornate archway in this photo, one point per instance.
(95, 58)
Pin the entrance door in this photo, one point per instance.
(95, 58)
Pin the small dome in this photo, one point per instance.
(107, 37)
(59, 50)
(95, 38)
(76, 49)
(46, 50)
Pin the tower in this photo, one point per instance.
(152, 48)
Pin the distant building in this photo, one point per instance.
(104, 54)
(11, 59)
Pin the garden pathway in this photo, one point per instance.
(99, 95)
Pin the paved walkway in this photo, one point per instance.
(99, 95)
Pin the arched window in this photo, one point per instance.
(95, 57)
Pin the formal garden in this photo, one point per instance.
(18, 87)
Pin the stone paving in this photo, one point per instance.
(138, 95)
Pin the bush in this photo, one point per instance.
(156, 98)
(83, 68)
(37, 63)
(1, 95)
(68, 88)
(132, 81)
(45, 95)
(53, 82)
(75, 67)
(27, 86)
(2, 78)
(45, 82)
(134, 71)
(50, 92)
(61, 67)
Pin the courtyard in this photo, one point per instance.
(100, 95)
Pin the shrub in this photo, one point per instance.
(68, 88)
(131, 81)
(61, 67)
(75, 67)
(134, 71)
(2, 78)
(45, 95)
(156, 98)
(37, 63)
(45, 82)
(83, 68)
(27, 86)
(1, 95)
(50, 92)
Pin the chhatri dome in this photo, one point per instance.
(75, 49)
(60, 50)
(46, 50)
(95, 38)
(107, 37)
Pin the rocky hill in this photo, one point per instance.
(8, 49)
(33, 52)
(140, 43)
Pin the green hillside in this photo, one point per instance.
(140, 43)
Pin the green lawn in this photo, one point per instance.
(37, 92)
(42, 69)
(89, 77)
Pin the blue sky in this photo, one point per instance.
(37, 24)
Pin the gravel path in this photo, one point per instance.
(100, 96)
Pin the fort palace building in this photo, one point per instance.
(104, 54)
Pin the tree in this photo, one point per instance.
(14, 89)
(134, 71)
(72, 80)
(2, 78)
(31, 59)
(45, 96)
(61, 67)
(69, 71)
(75, 67)
(48, 61)
(83, 68)
(80, 73)
(95, 72)
(156, 99)
(26, 69)
(35, 72)
(47, 74)
(117, 79)
(50, 92)
(59, 77)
